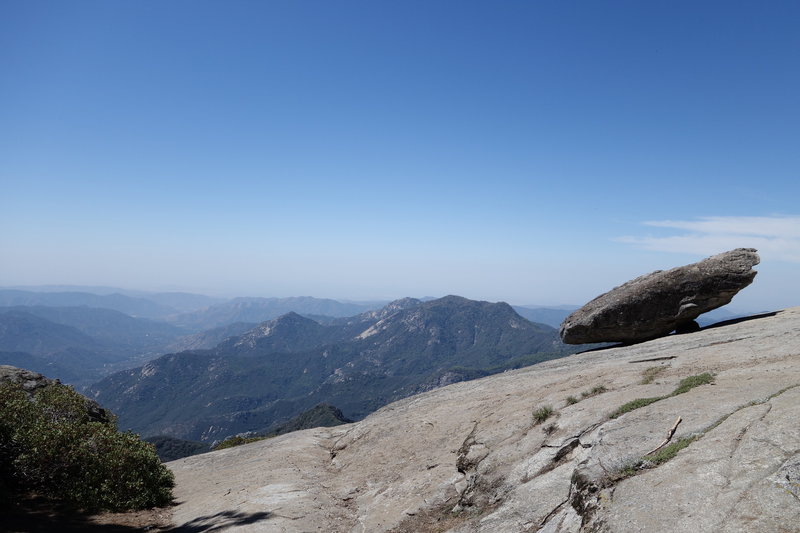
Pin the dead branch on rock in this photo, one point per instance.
(669, 437)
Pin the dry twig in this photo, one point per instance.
(669, 437)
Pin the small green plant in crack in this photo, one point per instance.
(599, 389)
(669, 451)
(571, 400)
(693, 381)
(550, 429)
(649, 374)
(634, 404)
(654, 459)
(628, 470)
(685, 385)
(542, 413)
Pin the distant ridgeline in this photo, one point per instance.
(80, 337)
(79, 345)
(260, 379)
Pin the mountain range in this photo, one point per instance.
(257, 310)
(198, 312)
(79, 336)
(137, 307)
(79, 345)
(257, 380)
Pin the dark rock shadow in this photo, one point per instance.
(596, 347)
(35, 514)
(49, 524)
(688, 331)
(220, 521)
(739, 320)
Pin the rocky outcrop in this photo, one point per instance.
(663, 301)
(560, 447)
(33, 381)
(28, 380)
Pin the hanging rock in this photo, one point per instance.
(663, 301)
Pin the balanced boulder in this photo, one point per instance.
(660, 302)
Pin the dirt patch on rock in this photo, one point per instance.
(35, 514)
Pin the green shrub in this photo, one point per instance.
(51, 445)
(542, 413)
(572, 400)
(598, 389)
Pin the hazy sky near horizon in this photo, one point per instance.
(531, 152)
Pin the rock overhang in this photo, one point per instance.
(658, 303)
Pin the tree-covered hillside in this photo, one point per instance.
(287, 365)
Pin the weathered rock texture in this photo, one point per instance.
(474, 456)
(28, 380)
(660, 302)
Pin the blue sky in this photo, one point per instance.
(531, 152)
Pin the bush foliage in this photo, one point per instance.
(542, 413)
(50, 444)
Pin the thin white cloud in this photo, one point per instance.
(776, 238)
